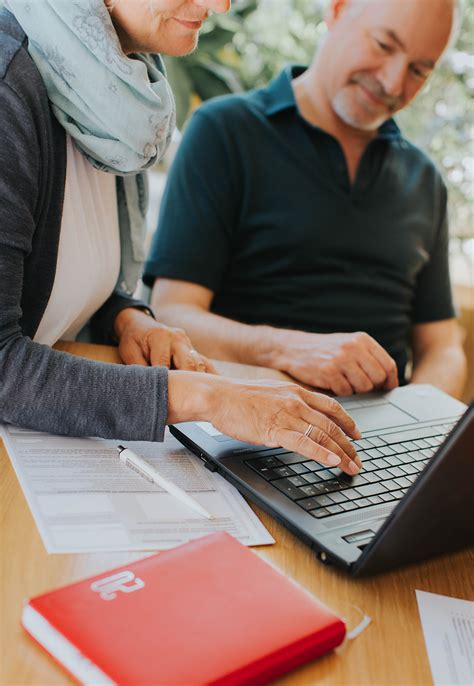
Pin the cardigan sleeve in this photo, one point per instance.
(41, 388)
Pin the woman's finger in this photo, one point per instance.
(325, 433)
(160, 349)
(329, 435)
(184, 357)
(210, 368)
(299, 443)
(349, 465)
(330, 407)
(132, 353)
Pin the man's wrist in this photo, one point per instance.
(268, 347)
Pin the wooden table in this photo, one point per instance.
(391, 651)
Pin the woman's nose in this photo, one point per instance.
(219, 6)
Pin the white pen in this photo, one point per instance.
(142, 467)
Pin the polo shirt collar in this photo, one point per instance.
(279, 96)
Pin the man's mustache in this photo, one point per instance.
(374, 87)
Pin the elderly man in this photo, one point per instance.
(299, 230)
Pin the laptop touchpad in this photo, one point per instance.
(381, 416)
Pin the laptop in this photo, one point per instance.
(413, 499)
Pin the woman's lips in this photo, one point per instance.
(194, 25)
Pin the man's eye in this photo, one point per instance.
(419, 73)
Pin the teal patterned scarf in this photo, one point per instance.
(119, 109)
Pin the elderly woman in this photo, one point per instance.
(85, 108)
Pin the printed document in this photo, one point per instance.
(448, 628)
(84, 499)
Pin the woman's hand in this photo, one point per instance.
(143, 340)
(271, 413)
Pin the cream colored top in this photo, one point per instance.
(89, 250)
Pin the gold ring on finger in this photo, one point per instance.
(309, 431)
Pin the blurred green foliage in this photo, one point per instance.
(248, 46)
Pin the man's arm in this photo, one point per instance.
(343, 363)
(438, 355)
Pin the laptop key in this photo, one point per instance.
(383, 474)
(266, 472)
(375, 499)
(311, 477)
(312, 503)
(363, 444)
(370, 477)
(387, 497)
(412, 434)
(320, 501)
(288, 489)
(319, 514)
(374, 452)
(402, 481)
(410, 468)
(352, 480)
(381, 463)
(392, 485)
(368, 466)
(351, 493)
(338, 496)
(334, 509)
(398, 494)
(371, 489)
(409, 445)
(298, 468)
(290, 458)
(312, 465)
(421, 443)
(396, 471)
(349, 505)
(392, 460)
(269, 461)
(362, 502)
(428, 452)
(308, 490)
(283, 471)
(297, 481)
(386, 450)
(324, 487)
(376, 441)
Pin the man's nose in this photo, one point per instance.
(219, 6)
(393, 76)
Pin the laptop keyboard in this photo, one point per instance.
(391, 464)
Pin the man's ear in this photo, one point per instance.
(334, 11)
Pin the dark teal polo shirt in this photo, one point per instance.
(259, 208)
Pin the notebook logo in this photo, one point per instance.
(126, 582)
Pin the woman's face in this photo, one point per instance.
(170, 27)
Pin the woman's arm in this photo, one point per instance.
(42, 388)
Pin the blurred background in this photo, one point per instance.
(247, 47)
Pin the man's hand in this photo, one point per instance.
(143, 340)
(343, 363)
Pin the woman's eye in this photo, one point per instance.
(383, 46)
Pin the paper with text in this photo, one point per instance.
(448, 628)
(84, 499)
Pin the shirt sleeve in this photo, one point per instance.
(433, 296)
(200, 207)
(41, 388)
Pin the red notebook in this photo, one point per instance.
(207, 612)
